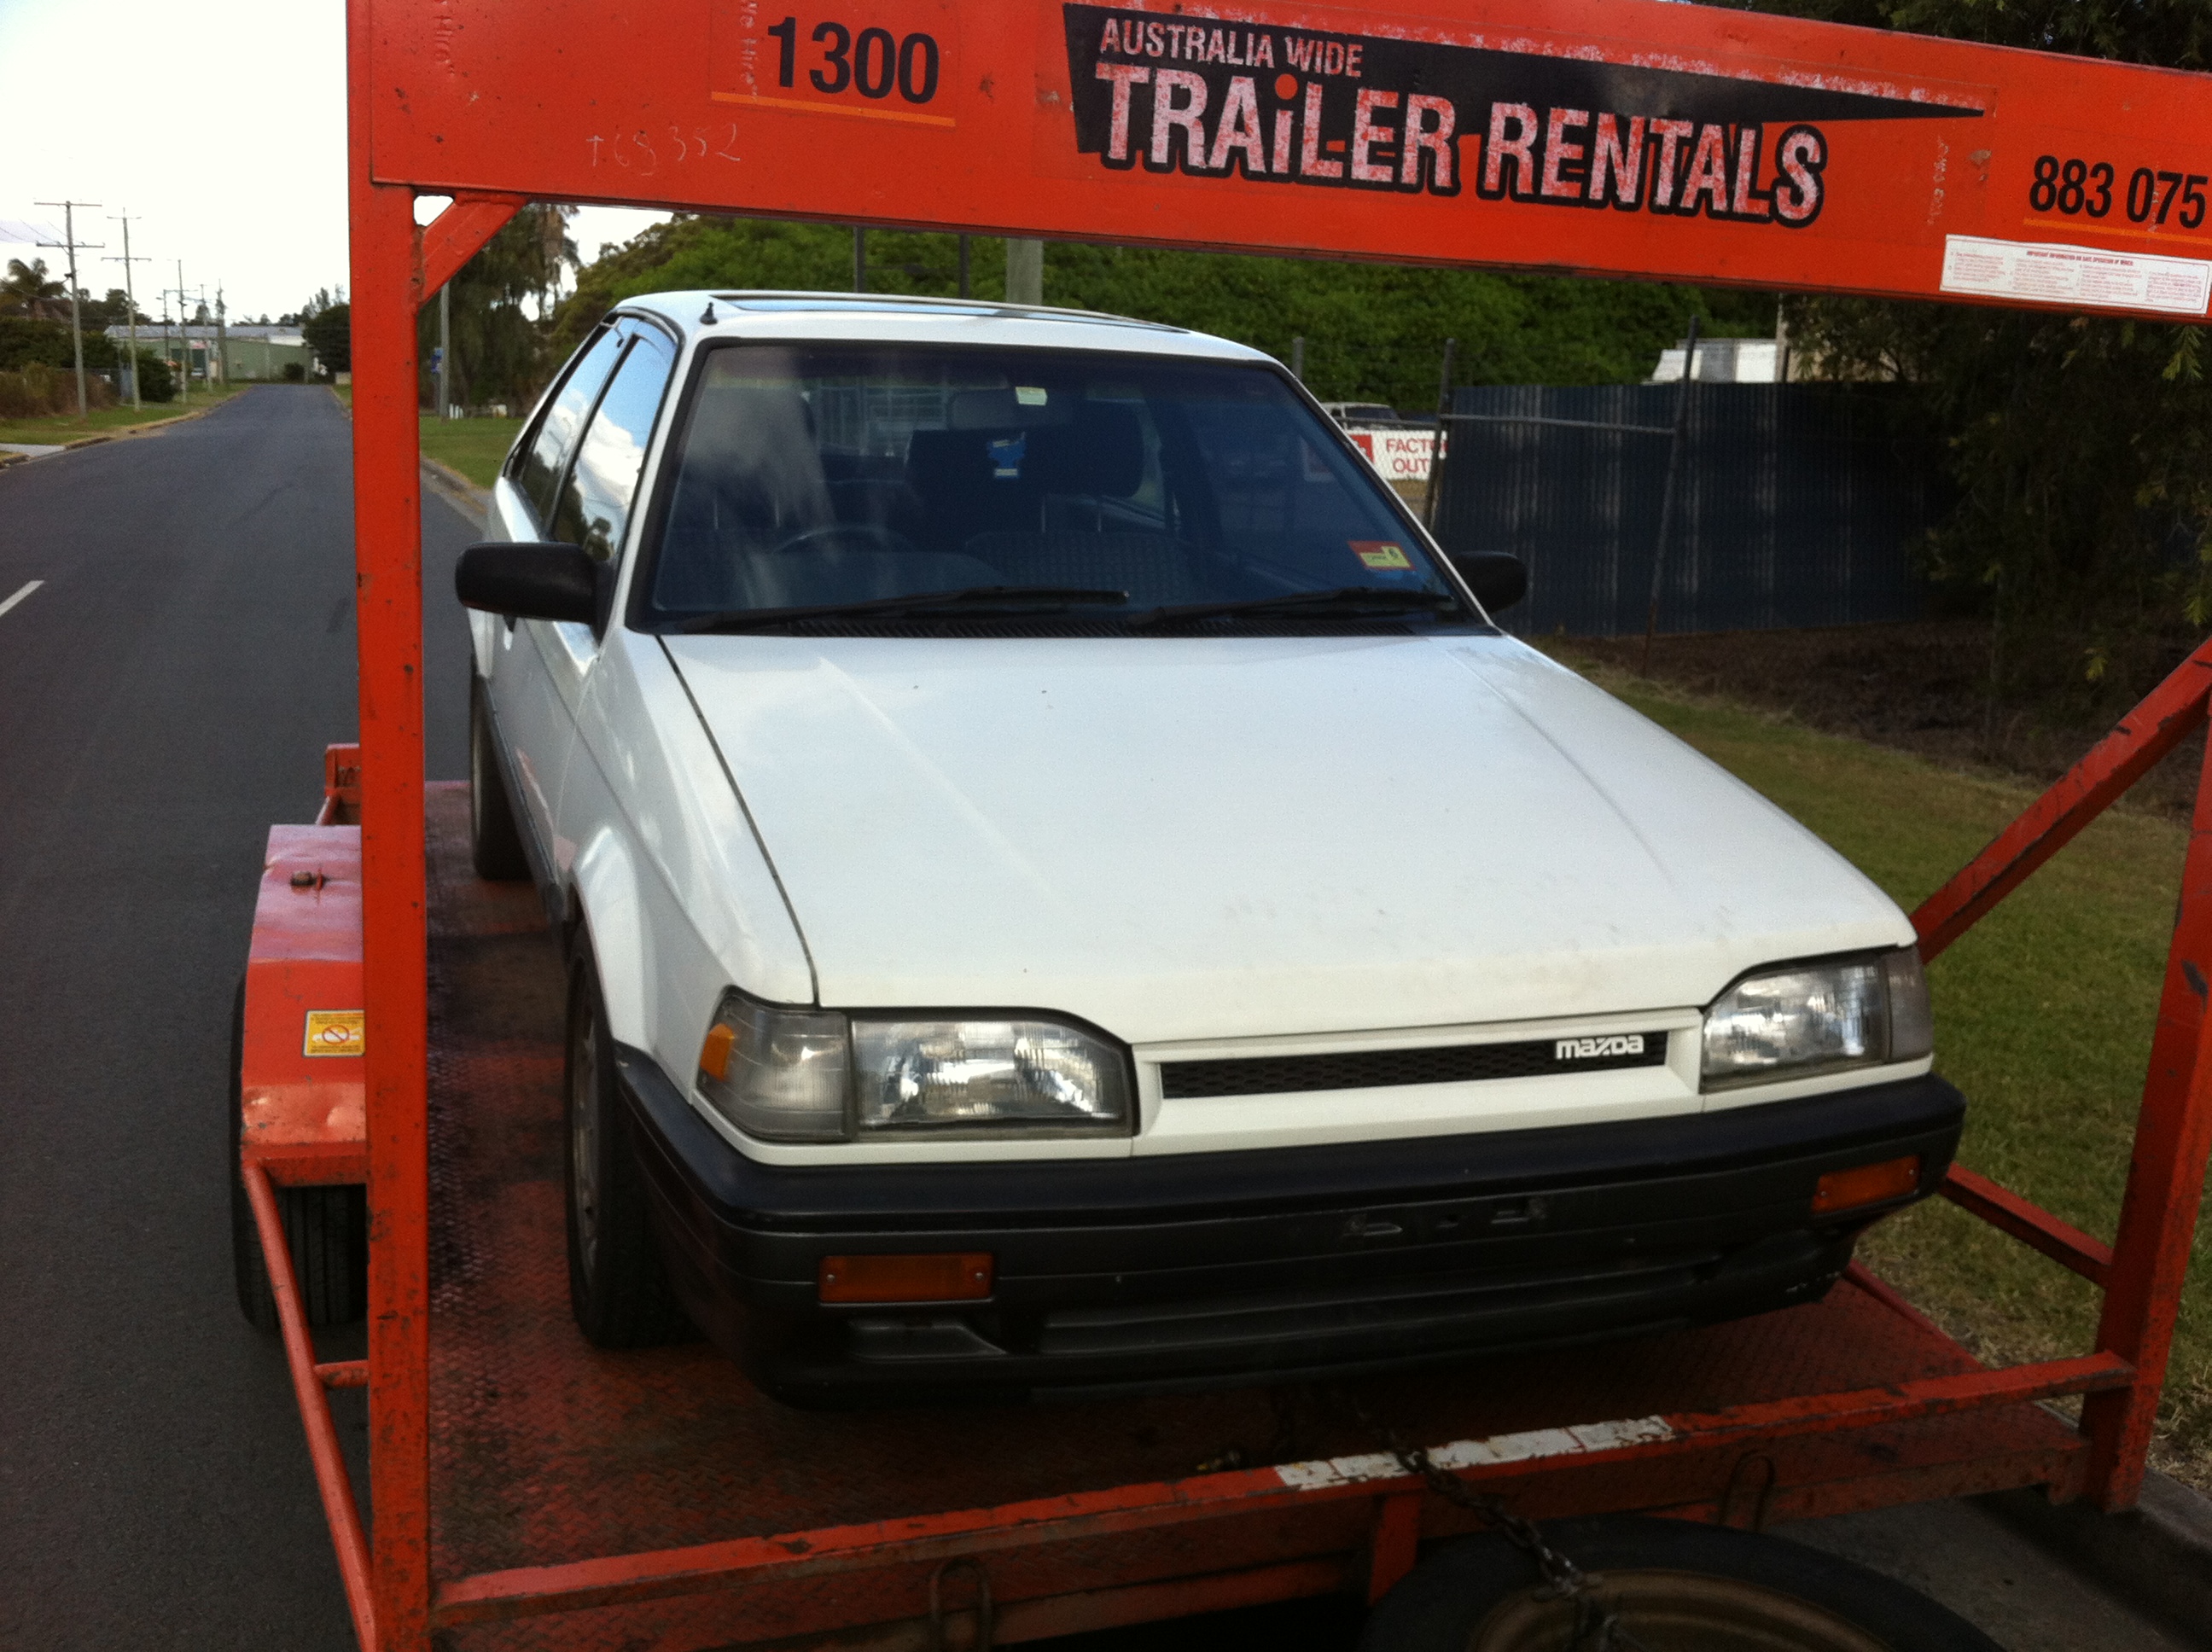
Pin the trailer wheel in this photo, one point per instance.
(325, 1227)
(494, 841)
(1675, 1586)
(617, 1286)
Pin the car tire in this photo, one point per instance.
(326, 1229)
(495, 839)
(1677, 1585)
(619, 1287)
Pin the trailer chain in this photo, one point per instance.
(1596, 1626)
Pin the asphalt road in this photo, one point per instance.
(169, 688)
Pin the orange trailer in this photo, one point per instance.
(529, 1491)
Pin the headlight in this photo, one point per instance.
(1035, 1076)
(812, 1075)
(1819, 1018)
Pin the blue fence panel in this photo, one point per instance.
(1795, 505)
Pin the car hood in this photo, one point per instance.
(1182, 838)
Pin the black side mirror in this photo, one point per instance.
(527, 581)
(1498, 580)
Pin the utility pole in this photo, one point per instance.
(184, 333)
(1024, 272)
(76, 315)
(222, 335)
(445, 349)
(130, 296)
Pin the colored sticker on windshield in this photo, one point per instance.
(1006, 455)
(1379, 554)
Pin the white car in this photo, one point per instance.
(1068, 890)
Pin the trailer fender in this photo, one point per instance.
(607, 914)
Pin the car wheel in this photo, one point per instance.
(326, 1229)
(494, 841)
(618, 1285)
(1673, 1585)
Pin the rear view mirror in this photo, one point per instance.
(527, 581)
(1498, 580)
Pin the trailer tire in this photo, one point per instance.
(618, 1286)
(494, 840)
(326, 1229)
(1693, 1585)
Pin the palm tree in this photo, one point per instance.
(27, 291)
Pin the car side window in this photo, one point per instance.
(595, 500)
(540, 475)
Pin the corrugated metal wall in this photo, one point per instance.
(1795, 505)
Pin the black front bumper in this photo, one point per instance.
(1202, 1269)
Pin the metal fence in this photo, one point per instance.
(1795, 505)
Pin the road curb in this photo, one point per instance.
(2156, 1556)
(154, 427)
(459, 490)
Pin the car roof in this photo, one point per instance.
(890, 318)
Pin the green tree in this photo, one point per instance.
(499, 348)
(28, 290)
(328, 333)
(1371, 331)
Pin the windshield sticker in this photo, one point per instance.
(1030, 395)
(1379, 554)
(1007, 452)
(1209, 99)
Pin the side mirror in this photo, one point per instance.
(526, 580)
(1498, 580)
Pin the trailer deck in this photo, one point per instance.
(548, 1456)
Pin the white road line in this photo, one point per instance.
(33, 585)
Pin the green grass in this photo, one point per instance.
(475, 448)
(68, 427)
(2044, 1014)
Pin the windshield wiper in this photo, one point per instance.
(1007, 597)
(1348, 599)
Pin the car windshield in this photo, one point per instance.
(812, 477)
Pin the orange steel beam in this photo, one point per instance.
(2031, 1224)
(2167, 715)
(308, 1384)
(1613, 137)
(613, 1580)
(2166, 1186)
(388, 598)
(456, 235)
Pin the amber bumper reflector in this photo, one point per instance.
(948, 1277)
(1866, 1184)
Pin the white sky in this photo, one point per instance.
(242, 176)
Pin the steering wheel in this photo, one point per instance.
(884, 538)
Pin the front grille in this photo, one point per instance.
(1279, 1075)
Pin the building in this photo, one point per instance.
(251, 351)
(1728, 361)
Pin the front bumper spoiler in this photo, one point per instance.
(1203, 1269)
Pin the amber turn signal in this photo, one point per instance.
(947, 1277)
(1866, 1184)
(715, 1054)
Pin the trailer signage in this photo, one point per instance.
(1412, 116)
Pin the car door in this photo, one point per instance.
(526, 704)
(594, 510)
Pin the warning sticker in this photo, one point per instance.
(335, 1032)
(1379, 554)
(2049, 272)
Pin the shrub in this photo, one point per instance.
(40, 391)
(294, 374)
(156, 383)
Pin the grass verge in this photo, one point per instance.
(475, 448)
(2044, 1014)
(108, 420)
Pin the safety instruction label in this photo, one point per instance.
(336, 1032)
(2050, 272)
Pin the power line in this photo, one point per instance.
(77, 314)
